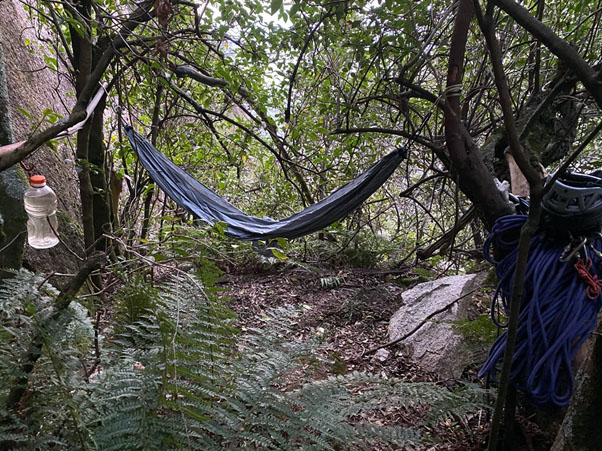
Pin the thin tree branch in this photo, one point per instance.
(448, 236)
(191, 72)
(282, 154)
(406, 192)
(418, 326)
(388, 131)
(199, 109)
(474, 178)
(59, 31)
(7, 159)
(287, 111)
(420, 92)
(532, 175)
(558, 46)
(564, 166)
(204, 111)
(543, 106)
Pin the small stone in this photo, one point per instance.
(381, 355)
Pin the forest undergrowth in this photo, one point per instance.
(349, 310)
(228, 350)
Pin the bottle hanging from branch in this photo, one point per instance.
(40, 205)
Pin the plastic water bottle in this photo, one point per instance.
(40, 205)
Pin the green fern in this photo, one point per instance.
(132, 300)
(180, 376)
(55, 405)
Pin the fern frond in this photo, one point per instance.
(176, 374)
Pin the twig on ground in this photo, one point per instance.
(418, 326)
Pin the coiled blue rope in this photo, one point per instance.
(556, 317)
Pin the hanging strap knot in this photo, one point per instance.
(594, 286)
(453, 90)
(29, 170)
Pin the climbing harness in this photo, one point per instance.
(562, 288)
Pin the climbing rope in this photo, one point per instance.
(561, 301)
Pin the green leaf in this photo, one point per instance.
(282, 242)
(276, 5)
(24, 112)
(77, 26)
(159, 257)
(50, 116)
(278, 254)
(53, 145)
(164, 82)
(220, 228)
(51, 62)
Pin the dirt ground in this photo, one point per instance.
(350, 311)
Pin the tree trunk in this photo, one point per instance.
(581, 429)
(98, 177)
(82, 52)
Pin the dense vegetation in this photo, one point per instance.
(174, 373)
(273, 105)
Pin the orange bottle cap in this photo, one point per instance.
(37, 179)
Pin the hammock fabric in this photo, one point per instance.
(211, 208)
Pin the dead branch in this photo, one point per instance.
(418, 326)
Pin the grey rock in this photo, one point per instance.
(12, 187)
(34, 91)
(435, 346)
(381, 355)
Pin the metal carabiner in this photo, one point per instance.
(594, 250)
(574, 251)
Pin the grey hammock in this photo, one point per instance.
(211, 208)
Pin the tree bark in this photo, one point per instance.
(474, 178)
(82, 52)
(581, 429)
(101, 213)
